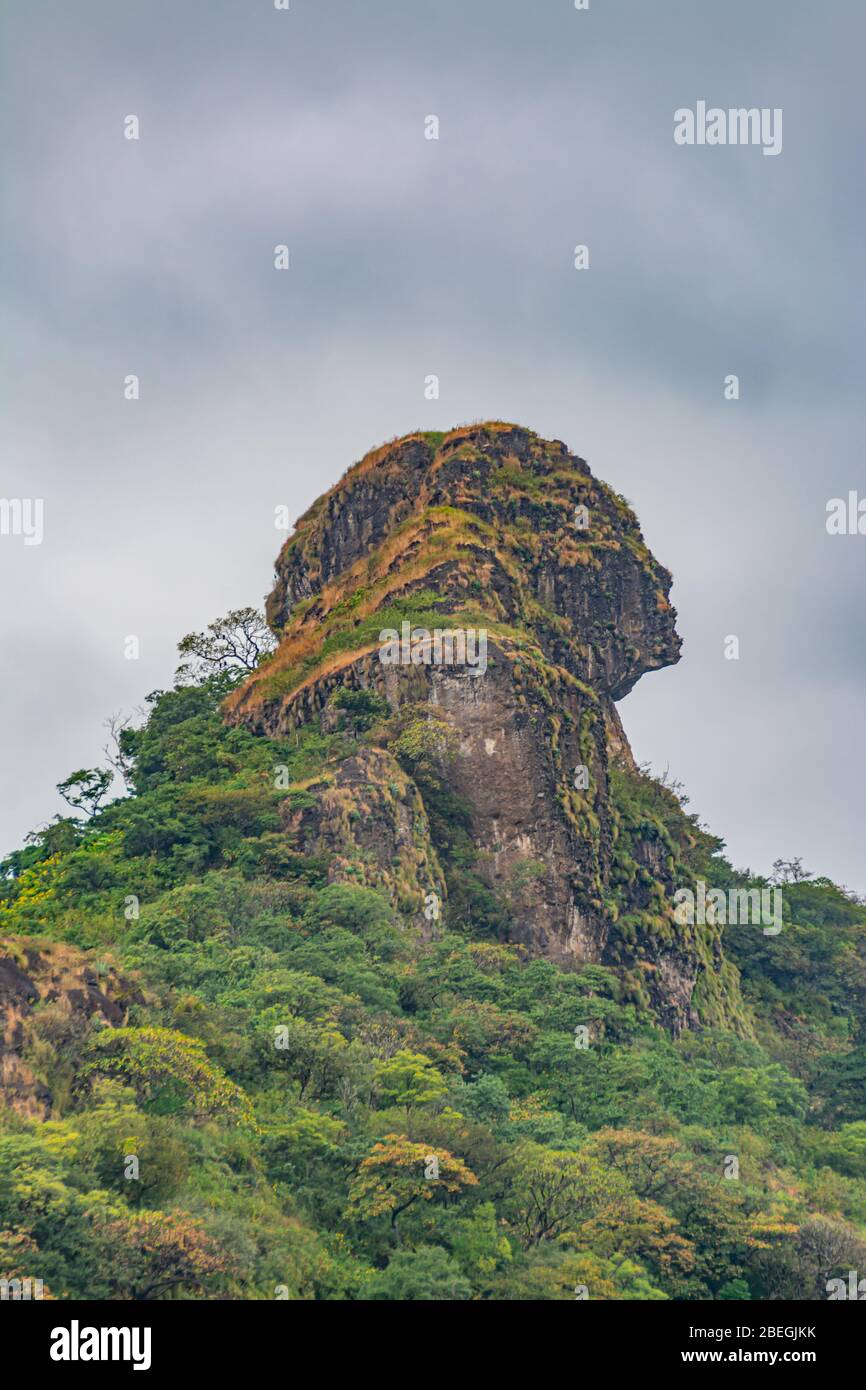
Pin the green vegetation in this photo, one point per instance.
(320, 1100)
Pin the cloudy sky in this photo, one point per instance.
(410, 257)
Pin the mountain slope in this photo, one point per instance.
(492, 529)
(363, 991)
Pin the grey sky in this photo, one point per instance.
(452, 257)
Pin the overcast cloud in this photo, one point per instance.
(453, 257)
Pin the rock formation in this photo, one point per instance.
(49, 991)
(489, 528)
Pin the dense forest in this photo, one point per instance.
(323, 1105)
(370, 985)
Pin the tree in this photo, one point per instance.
(115, 1130)
(555, 1191)
(800, 1268)
(86, 788)
(844, 1150)
(398, 1173)
(427, 1274)
(316, 1054)
(824, 1248)
(655, 1166)
(751, 1095)
(19, 1258)
(789, 871)
(643, 1230)
(486, 1099)
(295, 1149)
(169, 1071)
(735, 1289)
(408, 1079)
(549, 1273)
(842, 1084)
(425, 747)
(236, 643)
(150, 1253)
(117, 750)
(479, 1246)
(362, 708)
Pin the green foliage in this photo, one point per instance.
(425, 746)
(320, 1100)
(364, 708)
(168, 1071)
(86, 789)
(409, 1079)
(233, 644)
(427, 1274)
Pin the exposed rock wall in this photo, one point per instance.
(490, 527)
(54, 987)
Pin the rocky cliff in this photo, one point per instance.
(487, 785)
(50, 994)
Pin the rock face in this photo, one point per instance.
(50, 991)
(369, 822)
(492, 529)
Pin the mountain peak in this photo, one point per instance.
(493, 599)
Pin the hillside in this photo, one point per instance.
(373, 985)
